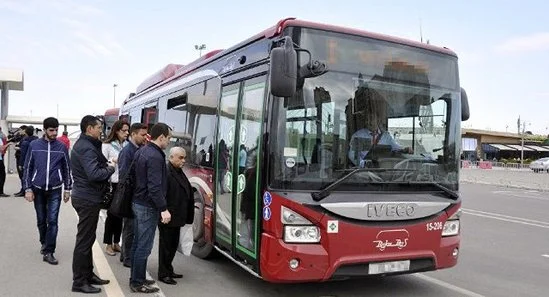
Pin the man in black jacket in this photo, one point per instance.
(181, 206)
(91, 171)
(149, 203)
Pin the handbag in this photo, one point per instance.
(121, 204)
(107, 197)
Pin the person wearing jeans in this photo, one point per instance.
(47, 204)
(149, 203)
(46, 171)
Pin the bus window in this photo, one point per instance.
(150, 117)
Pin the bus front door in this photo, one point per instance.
(238, 154)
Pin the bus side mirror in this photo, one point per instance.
(464, 106)
(283, 69)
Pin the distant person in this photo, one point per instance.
(65, 139)
(138, 138)
(47, 170)
(91, 172)
(16, 139)
(116, 140)
(149, 203)
(3, 146)
(180, 201)
(24, 145)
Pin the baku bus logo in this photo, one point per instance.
(391, 239)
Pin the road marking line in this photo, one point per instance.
(505, 216)
(447, 285)
(546, 256)
(98, 253)
(506, 220)
(105, 272)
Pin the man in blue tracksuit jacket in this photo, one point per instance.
(46, 171)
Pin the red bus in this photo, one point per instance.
(111, 115)
(288, 182)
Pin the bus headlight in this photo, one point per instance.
(451, 228)
(301, 234)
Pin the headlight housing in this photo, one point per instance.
(451, 227)
(301, 234)
(298, 229)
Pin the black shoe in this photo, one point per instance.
(143, 289)
(127, 264)
(50, 259)
(43, 249)
(176, 275)
(149, 282)
(4, 195)
(19, 194)
(88, 289)
(95, 280)
(168, 280)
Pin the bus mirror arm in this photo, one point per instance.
(313, 68)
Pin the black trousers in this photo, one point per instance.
(113, 226)
(167, 247)
(2, 176)
(127, 241)
(20, 174)
(82, 259)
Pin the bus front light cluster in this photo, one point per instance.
(451, 227)
(301, 234)
(298, 229)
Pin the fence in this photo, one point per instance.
(494, 165)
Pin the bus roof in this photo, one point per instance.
(275, 31)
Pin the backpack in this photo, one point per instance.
(121, 204)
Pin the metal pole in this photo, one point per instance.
(114, 95)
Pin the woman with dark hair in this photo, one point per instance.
(112, 146)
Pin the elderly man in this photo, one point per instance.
(181, 206)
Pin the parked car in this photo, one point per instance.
(540, 165)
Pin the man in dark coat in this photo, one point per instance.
(90, 171)
(181, 206)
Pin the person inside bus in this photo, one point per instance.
(374, 132)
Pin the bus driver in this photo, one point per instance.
(374, 132)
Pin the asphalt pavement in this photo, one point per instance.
(504, 252)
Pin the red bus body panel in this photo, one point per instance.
(353, 244)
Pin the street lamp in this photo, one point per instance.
(114, 95)
(199, 48)
(522, 142)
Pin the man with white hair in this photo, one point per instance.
(180, 202)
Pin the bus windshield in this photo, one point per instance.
(381, 105)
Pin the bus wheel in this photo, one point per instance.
(201, 248)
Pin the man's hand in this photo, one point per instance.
(166, 217)
(29, 195)
(66, 196)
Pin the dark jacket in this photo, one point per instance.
(125, 159)
(89, 170)
(179, 197)
(24, 148)
(150, 177)
(47, 165)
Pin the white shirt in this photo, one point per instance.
(111, 151)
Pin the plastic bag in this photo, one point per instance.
(187, 240)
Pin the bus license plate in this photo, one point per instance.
(387, 267)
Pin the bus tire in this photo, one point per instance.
(201, 248)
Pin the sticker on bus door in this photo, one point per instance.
(266, 213)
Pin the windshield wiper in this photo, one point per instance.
(326, 191)
(447, 191)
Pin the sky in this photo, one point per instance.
(72, 52)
